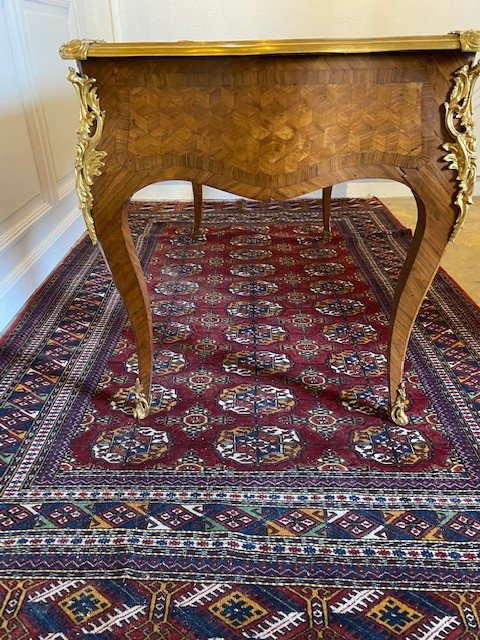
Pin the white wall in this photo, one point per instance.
(170, 20)
(39, 218)
(244, 19)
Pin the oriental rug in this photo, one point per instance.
(267, 495)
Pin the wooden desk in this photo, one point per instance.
(276, 119)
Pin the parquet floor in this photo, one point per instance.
(462, 258)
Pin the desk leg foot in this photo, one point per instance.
(142, 403)
(397, 412)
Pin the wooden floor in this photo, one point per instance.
(462, 258)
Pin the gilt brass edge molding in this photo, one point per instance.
(461, 155)
(142, 403)
(88, 161)
(77, 49)
(82, 49)
(469, 40)
(397, 412)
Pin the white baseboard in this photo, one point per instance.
(179, 190)
(41, 248)
(378, 188)
(385, 189)
(182, 191)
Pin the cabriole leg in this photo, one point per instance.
(115, 238)
(435, 221)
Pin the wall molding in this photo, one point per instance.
(116, 20)
(34, 115)
(30, 273)
(77, 18)
(15, 226)
(33, 256)
(51, 187)
(38, 235)
(60, 4)
(66, 185)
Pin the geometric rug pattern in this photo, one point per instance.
(267, 495)
(129, 608)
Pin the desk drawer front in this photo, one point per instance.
(276, 129)
(271, 122)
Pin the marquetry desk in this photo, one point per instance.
(276, 119)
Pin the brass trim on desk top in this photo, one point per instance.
(82, 49)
